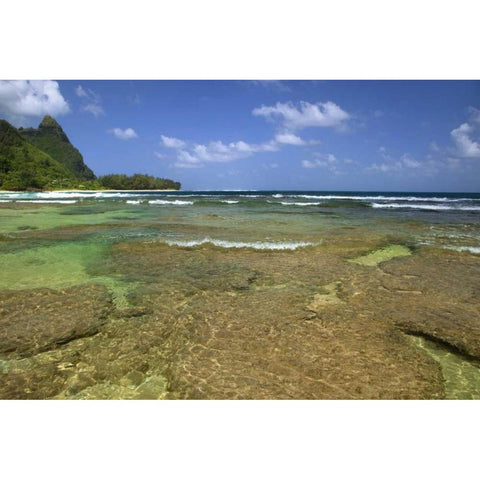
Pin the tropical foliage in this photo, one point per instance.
(137, 181)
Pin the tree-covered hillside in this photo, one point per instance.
(50, 138)
(23, 166)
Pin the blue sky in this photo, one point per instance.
(299, 135)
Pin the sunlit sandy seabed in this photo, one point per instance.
(300, 295)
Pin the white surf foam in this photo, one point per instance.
(170, 202)
(228, 244)
(383, 198)
(46, 201)
(417, 206)
(301, 204)
(464, 249)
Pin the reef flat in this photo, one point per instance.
(236, 296)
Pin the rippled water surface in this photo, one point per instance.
(237, 294)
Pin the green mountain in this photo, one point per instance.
(51, 139)
(44, 159)
(23, 166)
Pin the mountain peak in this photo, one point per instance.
(49, 122)
(50, 138)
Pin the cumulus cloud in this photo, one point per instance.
(227, 152)
(194, 155)
(91, 101)
(303, 115)
(126, 134)
(186, 160)
(31, 98)
(171, 142)
(289, 139)
(466, 146)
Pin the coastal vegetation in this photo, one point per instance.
(44, 159)
(137, 181)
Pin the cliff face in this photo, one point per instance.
(24, 166)
(51, 139)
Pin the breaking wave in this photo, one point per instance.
(464, 249)
(170, 202)
(425, 206)
(229, 244)
(301, 204)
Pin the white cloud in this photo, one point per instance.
(81, 92)
(474, 114)
(91, 101)
(465, 145)
(95, 109)
(409, 162)
(171, 142)
(289, 139)
(384, 167)
(31, 98)
(326, 160)
(275, 84)
(159, 155)
(307, 114)
(309, 163)
(196, 155)
(186, 160)
(221, 152)
(126, 134)
(403, 164)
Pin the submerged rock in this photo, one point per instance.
(39, 320)
(325, 298)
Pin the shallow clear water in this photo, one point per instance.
(157, 251)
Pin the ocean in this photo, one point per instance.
(239, 294)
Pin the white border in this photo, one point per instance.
(248, 39)
(208, 39)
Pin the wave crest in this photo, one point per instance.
(229, 244)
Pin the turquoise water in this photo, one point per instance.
(452, 219)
